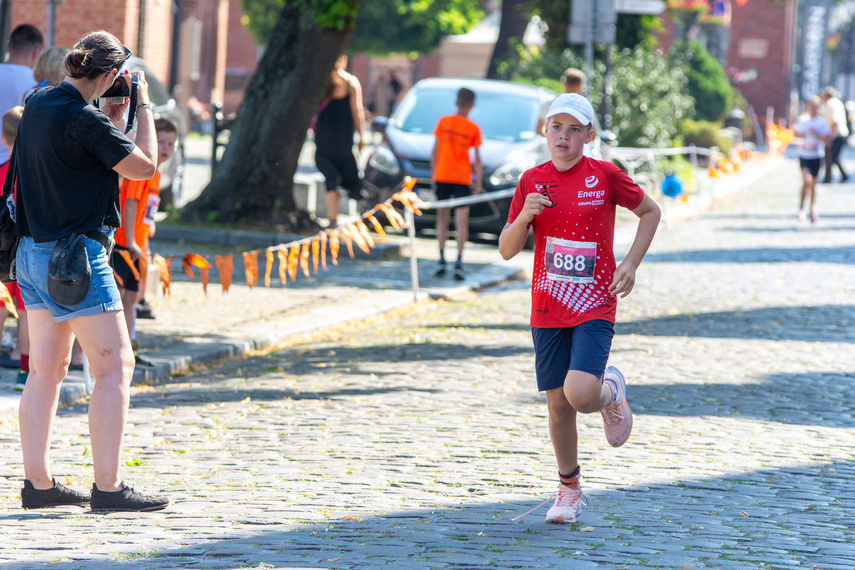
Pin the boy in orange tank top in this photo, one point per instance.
(452, 174)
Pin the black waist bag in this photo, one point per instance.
(69, 272)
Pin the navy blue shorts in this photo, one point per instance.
(584, 347)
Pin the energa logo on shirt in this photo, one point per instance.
(591, 181)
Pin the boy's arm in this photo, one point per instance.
(479, 172)
(648, 219)
(512, 239)
(129, 220)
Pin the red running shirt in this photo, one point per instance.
(574, 261)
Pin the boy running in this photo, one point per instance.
(452, 174)
(570, 202)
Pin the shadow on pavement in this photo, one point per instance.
(844, 255)
(827, 403)
(819, 323)
(781, 517)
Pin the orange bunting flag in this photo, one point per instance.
(143, 263)
(162, 265)
(396, 219)
(348, 240)
(250, 267)
(268, 258)
(192, 259)
(409, 183)
(225, 267)
(292, 262)
(323, 248)
(6, 299)
(334, 246)
(126, 255)
(282, 254)
(377, 227)
(363, 229)
(357, 237)
(304, 258)
(408, 199)
(316, 250)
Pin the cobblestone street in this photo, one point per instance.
(410, 440)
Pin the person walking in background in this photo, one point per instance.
(381, 94)
(16, 75)
(573, 81)
(452, 174)
(815, 133)
(395, 88)
(69, 156)
(835, 114)
(570, 203)
(339, 116)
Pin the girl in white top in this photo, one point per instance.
(815, 133)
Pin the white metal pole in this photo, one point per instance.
(87, 375)
(414, 260)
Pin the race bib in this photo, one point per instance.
(151, 209)
(570, 261)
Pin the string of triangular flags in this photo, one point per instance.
(295, 254)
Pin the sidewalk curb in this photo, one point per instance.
(180, 357)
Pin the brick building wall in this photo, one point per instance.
(242, 59)
(75, 18)
(762, 40)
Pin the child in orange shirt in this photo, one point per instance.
(452, 174)
(140, 200)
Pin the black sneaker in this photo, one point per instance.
(140, 361)
(144, 310)
(125, 499)
(459, 274)
(440, 269)
(59, 494)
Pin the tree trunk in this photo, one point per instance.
(514, 23)
(253, 183)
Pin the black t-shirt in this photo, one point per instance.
(66, 153)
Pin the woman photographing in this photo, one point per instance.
(70, 155)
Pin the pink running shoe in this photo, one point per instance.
(617, 417)
(567, 506)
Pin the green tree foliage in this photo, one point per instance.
(404, 26)
(708, 83)
(382, 26)
(648, 89)
(260, 16)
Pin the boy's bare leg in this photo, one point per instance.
(461, 228)
(129, 300)
(443, 215)
(582, 392)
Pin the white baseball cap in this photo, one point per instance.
(572, 104)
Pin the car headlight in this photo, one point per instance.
(384, 160)
(509, 173)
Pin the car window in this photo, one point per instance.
(502, 117)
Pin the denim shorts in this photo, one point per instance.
(584, 347)
(32, 266)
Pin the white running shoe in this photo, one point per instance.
(617, 417)
(567, 506)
